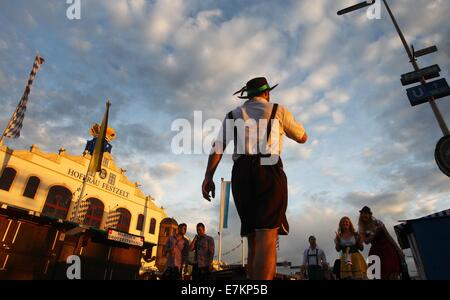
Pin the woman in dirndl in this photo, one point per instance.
(374, 232)
(349, 243)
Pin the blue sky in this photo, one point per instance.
(162, 60)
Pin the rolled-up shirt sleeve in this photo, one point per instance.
(293, 129)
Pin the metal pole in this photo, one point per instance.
(75, 218)
(412, 59)
(242, 244)
(3, 136)
(4, 131)
(222, 207)
(145, 216)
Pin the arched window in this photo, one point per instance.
(32, 186)
(94, 215)
(58, 202)
(124, 219)
(140, 222)
(7, 178)
(152, 226)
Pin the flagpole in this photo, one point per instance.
(4, 131)
(222, 209)
(83, 187)
(243, 251)
(6, 128)
(97, 153)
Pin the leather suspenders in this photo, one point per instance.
(268, 132)
(316, 255)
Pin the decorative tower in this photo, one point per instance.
(167, 228)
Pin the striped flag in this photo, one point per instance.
(15, 125)
(96, 160)
(224, 203)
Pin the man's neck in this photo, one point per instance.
(259, 99)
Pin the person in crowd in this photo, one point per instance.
(172, 271)
(203, 245)
(374, 232)
(182, 228)
(177, 250)
(349, 243)
(314, 260)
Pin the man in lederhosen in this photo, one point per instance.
(314, 260)
(259, 184)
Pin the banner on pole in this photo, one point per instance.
(224, 203)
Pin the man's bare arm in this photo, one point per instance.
(208, 183)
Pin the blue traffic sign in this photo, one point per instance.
(422, 93)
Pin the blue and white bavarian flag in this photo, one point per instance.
(224, 203)
(15, 125)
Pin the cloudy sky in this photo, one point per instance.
(158, 61)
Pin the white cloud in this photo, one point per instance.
(79, 44)
(322, 78)
(137, 6)
(319, 129)
(296, 95)
(337, 96)
(305, 151)
(166, 170)
(335, 174)
(338, 117)
(393, 204)
(119, 11)
(313, 45)
(165, 17)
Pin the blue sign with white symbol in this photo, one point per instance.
(422, 93)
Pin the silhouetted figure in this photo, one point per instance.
(259, 184)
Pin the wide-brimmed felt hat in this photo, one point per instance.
(255, 87)
(366, 209)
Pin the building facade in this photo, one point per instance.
(48, 185)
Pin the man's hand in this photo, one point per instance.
(207, 187)
(208, 183)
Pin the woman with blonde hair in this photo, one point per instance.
(349, 243)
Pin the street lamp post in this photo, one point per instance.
(411, 56)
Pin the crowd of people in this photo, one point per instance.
(350, 243)
(196, 257)
(184, 256)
